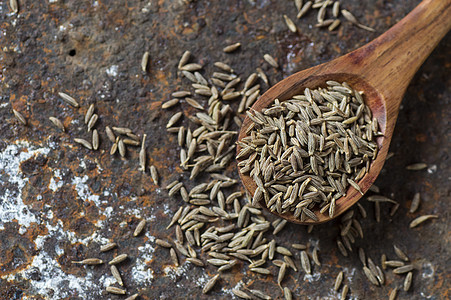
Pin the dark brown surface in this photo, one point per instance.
(71, 46)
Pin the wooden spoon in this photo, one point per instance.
(382, 69)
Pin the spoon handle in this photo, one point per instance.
(390, 61)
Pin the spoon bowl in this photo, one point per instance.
(381, 69)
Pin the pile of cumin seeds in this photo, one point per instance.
(217, 226)
(305, 152)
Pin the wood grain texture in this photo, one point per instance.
(382, 69)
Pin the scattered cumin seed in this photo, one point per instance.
(344, 293)
(140, 227)
(290, 24)
(305, 8)
(170, 103)
(338, 281)
(108, 247)
(270, 60)
(89, 261)
(287, 293)
(415, 203)
(118, 259)
(110, 134)
(349, 16)
(57, 123)
(115, 290)
(121, 147)
(83, 142)
(241, 294)
(14, 6)
(122, 130)
(407, 281)
(68, 99)
(177, 116)
(92, 121)
(400, 253)
(231, 48)
(334, 25)
(184, 59)
(89, 113)
(132, 297)
(421, 219)
(163, 243)
(393, 294)
(416, 167)
(95, 139)
(191, 67)
(223, 66)
(371, 277)
(20, 117)
(116, 275)
(210, 284)
(174, 257)
(403, 269)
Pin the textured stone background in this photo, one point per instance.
(59, 202)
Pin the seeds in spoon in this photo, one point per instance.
(320, 161)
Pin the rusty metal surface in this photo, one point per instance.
(59, 202)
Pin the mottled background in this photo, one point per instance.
(59, 201)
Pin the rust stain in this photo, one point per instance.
(18, 249)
